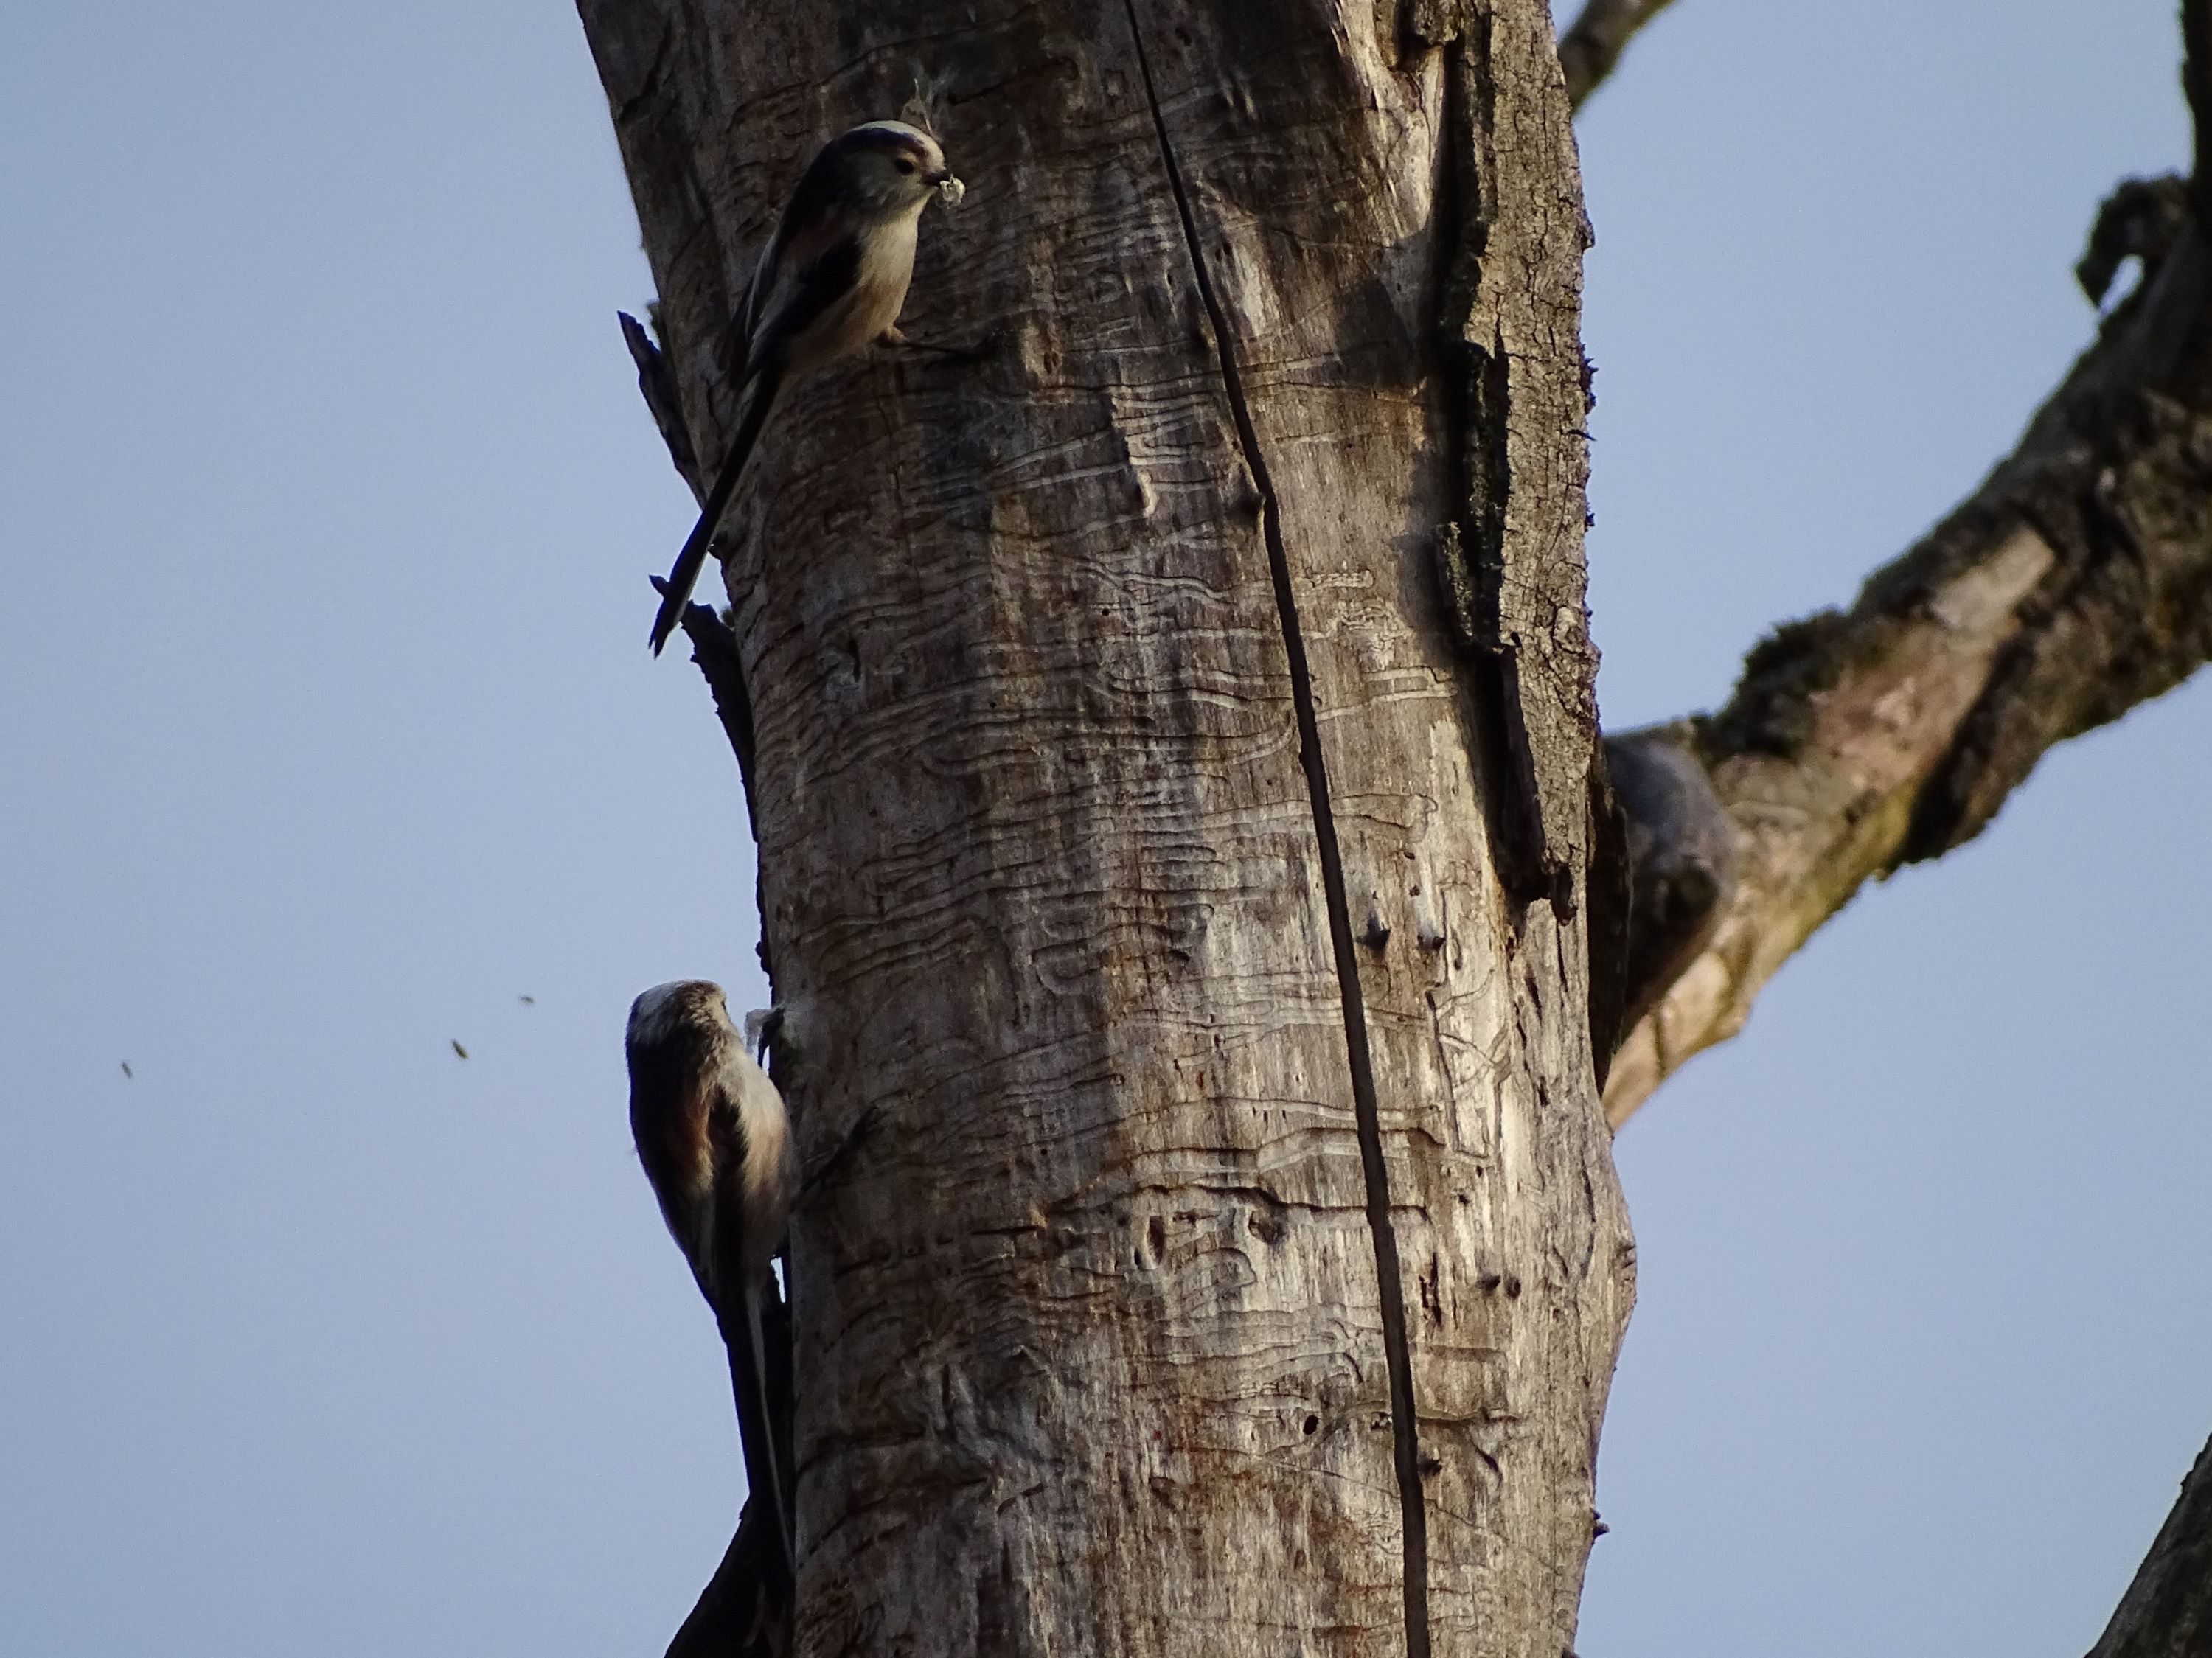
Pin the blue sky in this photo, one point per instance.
(330, 738)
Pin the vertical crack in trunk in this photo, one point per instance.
(1471, 556)
(1405, 1428)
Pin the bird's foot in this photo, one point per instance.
(976, 353)
(761, 1025)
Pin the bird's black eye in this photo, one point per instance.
(904, 165)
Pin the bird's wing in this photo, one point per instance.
(807, 224)
(818, 271)
(811, 264)
(664, 1110)
(726, 1139)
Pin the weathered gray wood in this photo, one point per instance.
(1126, 812)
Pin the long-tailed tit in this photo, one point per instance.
(829, 284)
(715, 1142)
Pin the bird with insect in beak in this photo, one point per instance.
(829, 284)
(715, 1142)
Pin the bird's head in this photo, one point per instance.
(890, 169)
(686, 1006)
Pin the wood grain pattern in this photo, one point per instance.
(1128, 817)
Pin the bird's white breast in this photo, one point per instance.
(878, 290)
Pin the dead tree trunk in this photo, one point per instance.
(1172, 739)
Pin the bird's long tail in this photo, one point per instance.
(676, 592)
(765, 1481)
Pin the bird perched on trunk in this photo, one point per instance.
(829, 284)
(715, 1142)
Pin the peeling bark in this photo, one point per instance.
(1235, 1260)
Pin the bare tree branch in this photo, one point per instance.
(2168, 1611)
(2074, 583)
(656, 383)
(1593, 43)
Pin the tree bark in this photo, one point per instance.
(2168, 1611)
(1171, 747)
(2075, 583)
